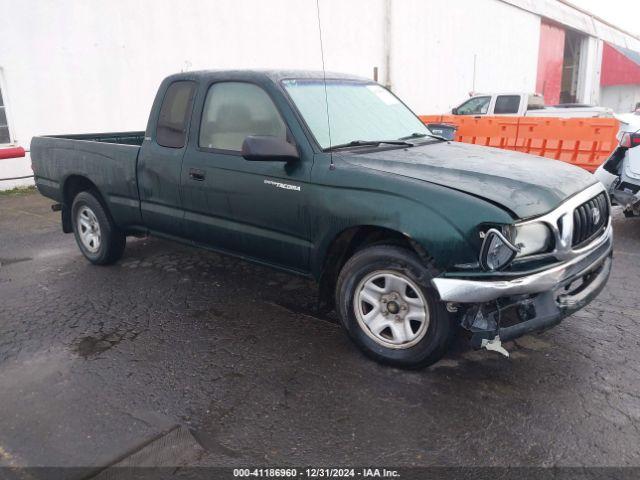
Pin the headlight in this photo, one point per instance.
(532, 238)
(497, 251)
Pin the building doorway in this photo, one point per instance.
(573, 42)
(559, 58)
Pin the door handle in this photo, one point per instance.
(196, 174)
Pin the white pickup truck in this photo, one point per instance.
(524, 104)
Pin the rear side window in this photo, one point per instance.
(174, 114)
(235, 110)
(507, 104)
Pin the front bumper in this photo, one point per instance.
(540, 300)
(466, 290)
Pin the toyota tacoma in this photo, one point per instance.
(411, 238)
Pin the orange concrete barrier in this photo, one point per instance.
(498, 132)
(585, 142)
(431, 118)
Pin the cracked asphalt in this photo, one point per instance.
(94, 361)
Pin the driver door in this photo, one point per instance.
(252, 208)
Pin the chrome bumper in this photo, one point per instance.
(593, 257)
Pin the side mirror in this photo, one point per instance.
(263, 148)
(454, 110)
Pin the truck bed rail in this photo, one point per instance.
(123, 138)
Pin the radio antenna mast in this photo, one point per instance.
(324, 80)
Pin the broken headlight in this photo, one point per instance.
(532, 238)
(497, 250)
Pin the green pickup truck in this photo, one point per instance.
(411, 238)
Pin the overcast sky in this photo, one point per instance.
(622, 13)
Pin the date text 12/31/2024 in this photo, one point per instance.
(315, 473)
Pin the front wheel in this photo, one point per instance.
(389, 308)
(99, 239)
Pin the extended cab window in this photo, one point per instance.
(235, 110)
(474, 106)
(174, 114)
(507, 104)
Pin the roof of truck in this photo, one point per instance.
(493, 94)
(273, 75)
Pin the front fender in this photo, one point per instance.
(443, 221)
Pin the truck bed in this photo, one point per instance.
(108, 160)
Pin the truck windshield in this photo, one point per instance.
(359, 112)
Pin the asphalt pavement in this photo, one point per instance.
(98, 363)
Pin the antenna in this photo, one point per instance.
(324, 79)
(473, 83)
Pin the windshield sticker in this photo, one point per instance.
(383, 94)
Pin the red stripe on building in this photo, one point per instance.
(617, 68)
(11, 152)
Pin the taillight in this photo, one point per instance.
(630, 140)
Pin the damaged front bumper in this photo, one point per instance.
(507, 308)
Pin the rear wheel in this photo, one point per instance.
(389, 308)
(99, 239)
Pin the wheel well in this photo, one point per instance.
(349, 242)
(72, 187)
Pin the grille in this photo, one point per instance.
(584, 226)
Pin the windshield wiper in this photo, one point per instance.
(367, 143)
(422, 135)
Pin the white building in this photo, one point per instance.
(74, 66)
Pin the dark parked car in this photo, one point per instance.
(409, 236)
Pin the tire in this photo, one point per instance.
(97, 236)
(393, 280)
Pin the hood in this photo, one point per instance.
(524, 184)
